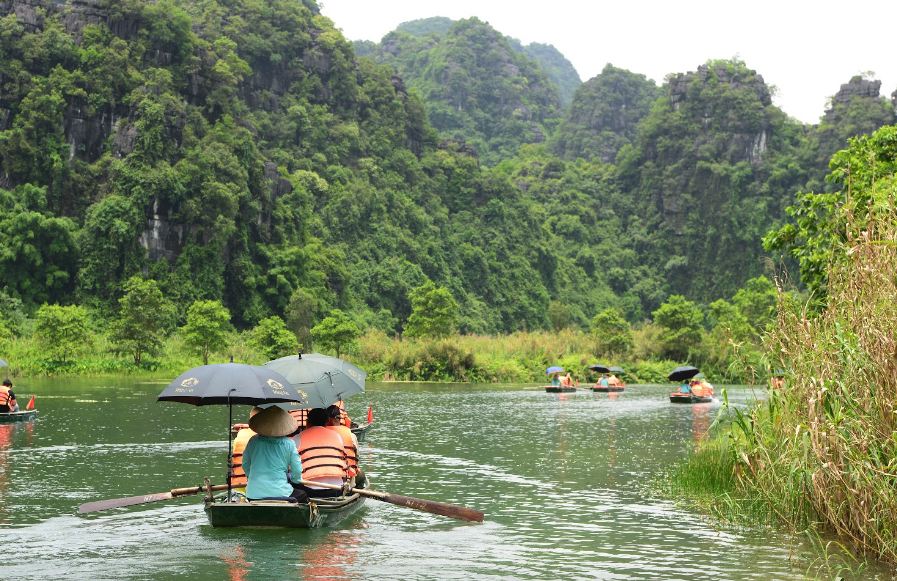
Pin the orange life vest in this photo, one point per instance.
(238, 476)
(349, 447)
(323, 454)
(4, 395)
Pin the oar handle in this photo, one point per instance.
(195, 490)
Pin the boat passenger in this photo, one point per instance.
(685, 387)
(344, 417)
(556, 381)
(8, 401)
(350, 441)
(323, 455)
(604, 381)
(238, 476)
(614, 381)
(568, 381)
(270, 457)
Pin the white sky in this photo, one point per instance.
(806, 49)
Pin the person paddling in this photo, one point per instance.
(8, 401)
(350, 442)
(270, 455)
(323, 455)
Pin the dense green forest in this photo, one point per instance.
(240, 151)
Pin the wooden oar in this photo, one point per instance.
(441, 508)
(132, 500)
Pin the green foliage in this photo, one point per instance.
(559, 69)
(62, 331)
(826, 224)
(37, 249)
(680, 321)
(272, 338)
(144, 315)
(206, 328)
(612, 332)
(337, 332)
(300, 316)
(604, 115)
(434, 312)
(558, 315)
(476, 87)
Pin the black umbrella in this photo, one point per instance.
(599, 368)
(230, 383)
(684, 372)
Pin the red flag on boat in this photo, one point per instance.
(30, 405)
(370, 413)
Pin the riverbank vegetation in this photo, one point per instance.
(821, 451)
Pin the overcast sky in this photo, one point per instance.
(806, 49)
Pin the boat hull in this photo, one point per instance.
(361, 431)
(12, 417)
(608, 389)
(688, 398)
(318, 513)
(554, 389)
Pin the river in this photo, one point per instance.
(562, 480)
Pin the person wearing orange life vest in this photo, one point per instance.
(344, 417)
(350, 442)
(323, 455)
(238, 476)
(8, 401)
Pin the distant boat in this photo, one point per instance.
(608, 388)
(679, 397)
(559, 389)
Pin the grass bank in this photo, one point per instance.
(820, 453)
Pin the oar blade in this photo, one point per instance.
(122, 502)
(440, 508)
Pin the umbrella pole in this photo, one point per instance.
(230, 457)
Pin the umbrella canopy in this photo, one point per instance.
(3, 363)
(616, 369)
(599, 368)
(555, 369)
(229, 383)
(700, 376)
(321, 380)
(684, 372)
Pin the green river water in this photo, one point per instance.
(561, 478)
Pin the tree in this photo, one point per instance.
(62, 330)
(206, 328)
(612, 332)
(434, 312)
(143, 314)
(680, 321)
(300, 315)
(273, 339)
(337, 332)
(558, 316)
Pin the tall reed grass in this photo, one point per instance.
(822, 450)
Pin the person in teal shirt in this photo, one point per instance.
(603, 382)
(270, 455)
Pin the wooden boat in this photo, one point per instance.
(25, 416)
(679, 397)
(361, 430)
(559, 389)
(319, 512)
(609, 388)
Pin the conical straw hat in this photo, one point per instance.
(273, 422)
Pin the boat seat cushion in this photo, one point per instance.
(277, 498)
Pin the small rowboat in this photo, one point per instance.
(602, 389)
(559, 389)
(361, 430)
(25, 416)
(319, 512)
(679, 397)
